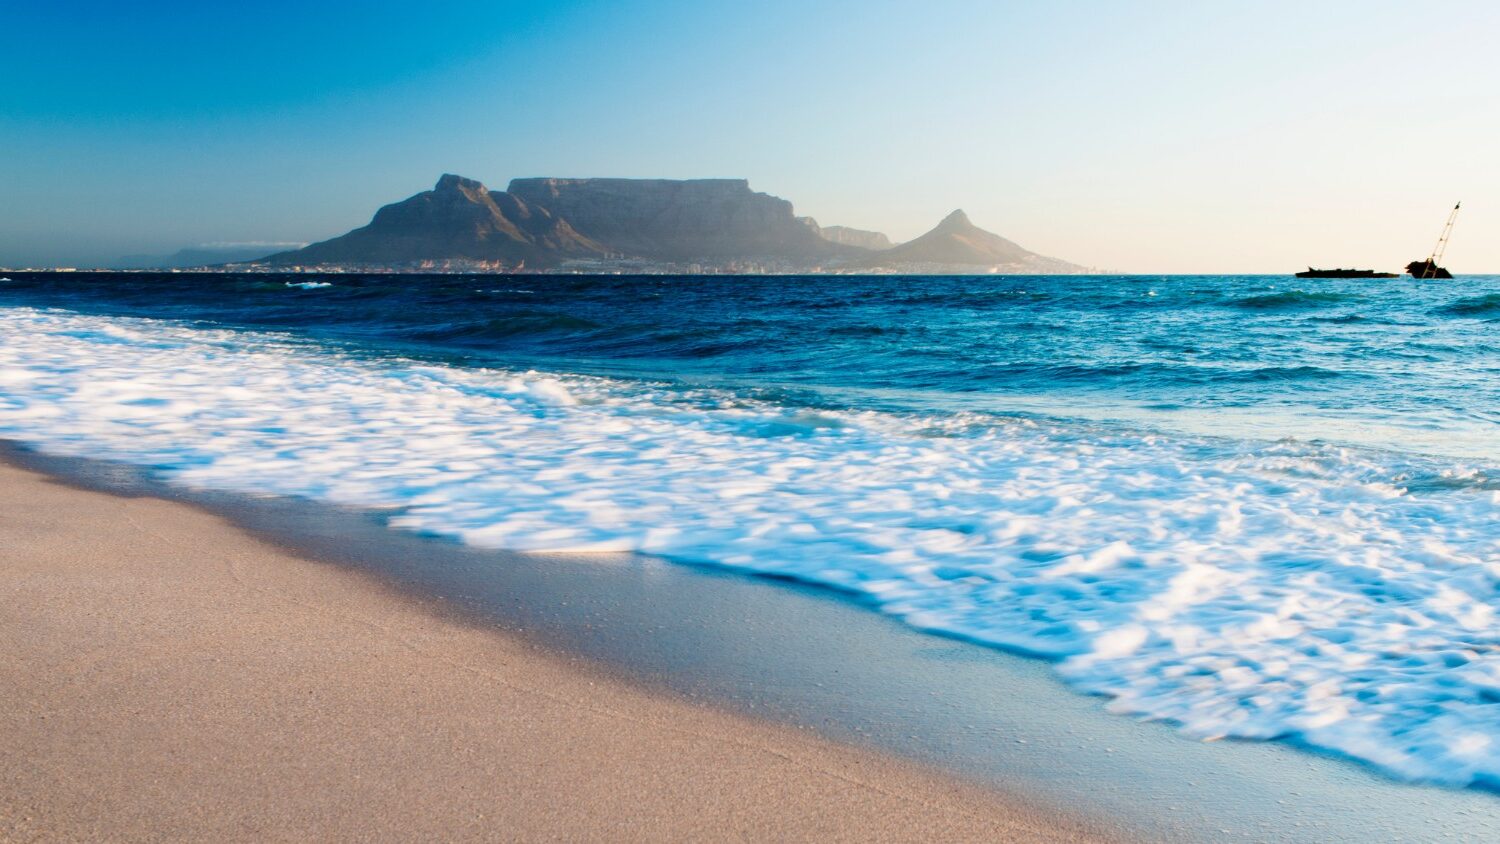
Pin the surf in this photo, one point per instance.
(1341, 597)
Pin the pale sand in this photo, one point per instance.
(164, 675)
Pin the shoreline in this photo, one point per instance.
(817, 663)
(169, 675)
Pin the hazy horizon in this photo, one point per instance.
(1160, 137)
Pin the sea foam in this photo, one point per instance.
(1342, 598)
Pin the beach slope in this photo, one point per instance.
(164, 675)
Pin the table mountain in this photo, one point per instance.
(645, 224)
(693, 220)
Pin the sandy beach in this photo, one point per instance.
(167, 676)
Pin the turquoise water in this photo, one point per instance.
(1251, 506)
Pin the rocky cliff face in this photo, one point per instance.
(957, 243)
(671, 220)
(458, 219)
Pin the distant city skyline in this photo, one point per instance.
(1150, 137)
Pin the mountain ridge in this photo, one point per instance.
(614, 224)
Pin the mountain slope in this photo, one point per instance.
(957, 242)
(458, 219)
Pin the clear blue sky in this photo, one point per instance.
(1139, 136)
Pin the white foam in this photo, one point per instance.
(1237, 588)
(309, 285)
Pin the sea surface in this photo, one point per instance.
(1251, 506)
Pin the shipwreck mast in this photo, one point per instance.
(1435, 259)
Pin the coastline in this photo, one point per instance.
(169, 675)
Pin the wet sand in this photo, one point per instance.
(165, 675)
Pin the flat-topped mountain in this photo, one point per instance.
(644, 225)
(957, 242)
(679, 220)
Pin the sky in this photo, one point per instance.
(1151, 137)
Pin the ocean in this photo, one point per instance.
(1250, 506)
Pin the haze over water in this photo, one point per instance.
(1255, 506)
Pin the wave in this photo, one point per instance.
(978, 293)
(1342, 598)
(556, 331)
(1154, 372)
(505, 327)
(1291, 299)
(1473, 306)
(863, 330)
(1466, 478)
(1281, 373)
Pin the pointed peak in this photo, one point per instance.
(451, 182)
(958, 219)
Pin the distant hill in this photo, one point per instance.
(207, 255)
(959, 244)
